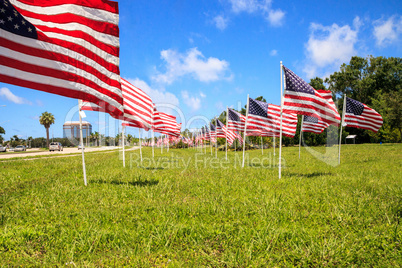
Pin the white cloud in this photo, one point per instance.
(387, 32)
(248, 6)
(8, 95)
(262, 7)
(275, 17)
(273, 52)
(330, 46)
(203, 95)
(193, 102)
(192, 63)
(158, 96)
(221, 22)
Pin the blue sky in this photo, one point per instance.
(201, 56)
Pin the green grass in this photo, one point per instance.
(162, 214)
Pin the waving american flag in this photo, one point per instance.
(64, 47)
(359, 115)
(301, 98)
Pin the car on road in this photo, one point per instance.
(3, 148)
(55, 146)
(80, 147)
(20, 148)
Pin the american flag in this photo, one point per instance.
(64, 47)
(289, 122)
(212, 128)
(223, 132)
(266, 118)
(236, 120)
(238, 137)
(301, 98)
(359, 115)
(138, 106)
(207, 133)
(165, 123)
(203, 134)
(168, 125)
(257, 115)
(219, 129)
(212, 132)
(313, 124)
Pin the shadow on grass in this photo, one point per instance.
(132, 183)
(152, 168)
(310, 175)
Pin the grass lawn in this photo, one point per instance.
(187, 209)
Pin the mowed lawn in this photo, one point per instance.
(188, 209)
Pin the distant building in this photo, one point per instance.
(71, 130)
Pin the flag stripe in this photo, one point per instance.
(101, 8)
(76, 53)
(49, 68)
(138, 106)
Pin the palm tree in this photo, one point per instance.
(129, 138)
(46, 119)
(96, 137)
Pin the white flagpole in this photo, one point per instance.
(162, 144)
(280, 132)
(205, 143)
(340, 134)
(122, 139)
(274, 143)
(82, 144)
(139, 139)
(235, 144)
(168, 145)
(244, 133)
(153, 143)
(226, 133)
(262, 148)
(210, 138)
(301, 133)
(216, 138)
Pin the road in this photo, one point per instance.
(36, 152)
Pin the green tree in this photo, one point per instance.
(2, 131)
(46, 119)
(94, 137)
(376, 82)
(389, 106)
(129, 138)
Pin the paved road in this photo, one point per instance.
(36, 152)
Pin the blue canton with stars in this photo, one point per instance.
(220, 124)
(295, 83)
(12, 21)
(310, 119)
(259, 108)
(354, 107)
(233, 116)
(212, 127)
